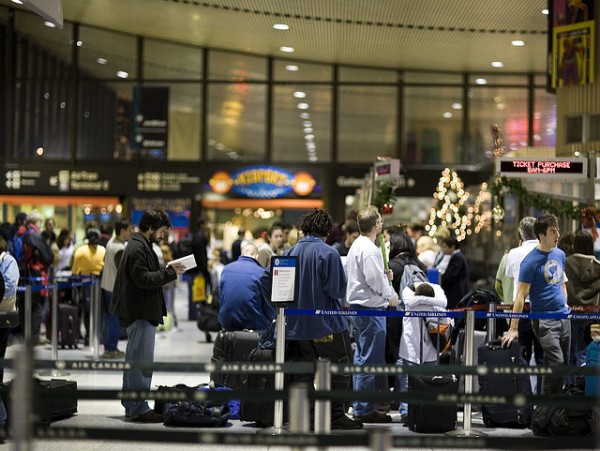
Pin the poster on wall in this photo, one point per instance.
(573, 54)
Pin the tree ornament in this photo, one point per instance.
(498, 213)
(498, 146)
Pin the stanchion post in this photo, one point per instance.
(54, 336)
(299, 411)
(380, 439)
(466, 430)
(491, 323)
(323, 406)
(27, 314)
(95, 297)
(279, 376)
(21, 400)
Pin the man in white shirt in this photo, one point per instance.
(369, 288)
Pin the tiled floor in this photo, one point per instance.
(184, 344)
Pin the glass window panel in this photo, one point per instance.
(302, 134)
(103, 54)
(236, 66)
(163, 60)
(430, 137)
(544, 119)
(499, 79)
(349, 74)
(594, 127)
(506, 107)
(35, 39)
(574, 129)
(41, 120)
(432, 77)
(300, 71)
(236, 121)
(367, 123)
(104, 129)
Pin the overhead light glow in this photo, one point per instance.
(299, 95)
(302, 106)
(447, 114)
(281, 26)
(497, 64)
(545, 11)
(102, 61)
(18, 2)
(292, 68)
(457, 106)
(309, 137)
(49, 24)
(305, 116)
(122, 74)
(307, 124)
(518, 43)
(79, 43)
(308, 130)
(481, 81)
(285, 49)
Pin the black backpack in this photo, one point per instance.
(572, 420)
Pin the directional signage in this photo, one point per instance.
(559, 168)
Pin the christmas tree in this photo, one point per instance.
(450, 209)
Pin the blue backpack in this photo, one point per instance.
(15, 247)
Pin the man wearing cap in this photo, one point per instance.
(88, 260)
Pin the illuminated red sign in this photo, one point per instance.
(527, 167)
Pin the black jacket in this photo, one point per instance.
(138, 290)
(455, 280)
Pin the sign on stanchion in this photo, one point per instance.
(466, 430)
(283, 291)
(54, 372)
(95, 302)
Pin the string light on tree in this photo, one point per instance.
(450, 210)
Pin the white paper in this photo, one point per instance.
(188, 262)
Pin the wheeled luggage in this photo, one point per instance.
(261, 413)
(68, 325)
(504, 415)
(53, 400)
(592, 383)
(432, 418)
(232, 346)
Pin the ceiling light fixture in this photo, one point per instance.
(308, 130)
(518, 43)
(292, 68)
(545, 11)
(305, 116)
(457, 106)
(285, 49)
(49, 24)
(481, 81)
(299, 94)
(18, 2)
(79, 43)
(102, 61)
(302, 106)
(497, 64)
(122, 74)
(281, 26)
(447, 114)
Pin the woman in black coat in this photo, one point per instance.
(455, 279)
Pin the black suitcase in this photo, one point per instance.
(261, 413)
(233, 346)
(68, 325)
(47, 406)
(432, 418)
(504, 415)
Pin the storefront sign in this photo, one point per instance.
(562, 168)
(262, 182)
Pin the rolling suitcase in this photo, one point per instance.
(504, 415)
(68, 326)
(261, 413)
(233, 346)
(49, 407)
(432, 418)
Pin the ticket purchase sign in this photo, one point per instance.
(283, 279)
(560, 168)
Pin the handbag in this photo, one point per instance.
(9, 319)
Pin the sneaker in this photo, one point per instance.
(149, 417)
(116, 354)
(373, 417)
(346, 423)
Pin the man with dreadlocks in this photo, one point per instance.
(322, 284)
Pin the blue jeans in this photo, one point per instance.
(402, 381)
(112, 328)
(140, 348)
(369, 335)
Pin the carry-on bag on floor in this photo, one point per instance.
(258, 412)
(47, 406)
(68, 325)
(432, 418)
(233, 346)
(504, 415)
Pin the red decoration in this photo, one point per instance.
(588, 220)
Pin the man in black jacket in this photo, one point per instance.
(139, 303)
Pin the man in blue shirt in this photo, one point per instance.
(542, 277)
(242, 303)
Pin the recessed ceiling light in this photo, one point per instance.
(102, 61)
(18, 2)
(447, 114)
(302, 106)
(281, 26)
(307, 124)
(305, 116)
(292, 68)
(497, 64)
(312, 158)
(309, 137)
(481, 81)
(308, 130)
(285, 49)
(122, 74)
(545, 11)
(299, 94)
(49, 24)
(79, 43)
(457, 106)
(518, 43)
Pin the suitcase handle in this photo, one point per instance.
(495, 344)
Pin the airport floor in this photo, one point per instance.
(182, 344)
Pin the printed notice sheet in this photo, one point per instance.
(188, 261)
(283, 279)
